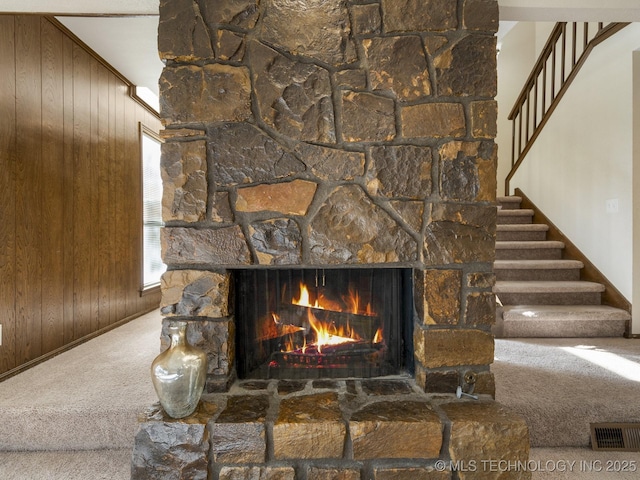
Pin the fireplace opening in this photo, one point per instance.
(323, 323)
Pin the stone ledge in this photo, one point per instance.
(168, 447)
(396, 432)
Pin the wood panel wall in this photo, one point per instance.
(70, 193)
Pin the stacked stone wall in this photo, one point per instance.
(344, 133)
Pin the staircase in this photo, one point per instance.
(541, 292)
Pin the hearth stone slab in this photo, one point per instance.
(238, 435)
(309, 427)
(396, 430)
(386, 387)
(255, 385)
(256, 431)
(286, 387)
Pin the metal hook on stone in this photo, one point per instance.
(460, 393)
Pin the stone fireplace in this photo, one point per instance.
(312, 139)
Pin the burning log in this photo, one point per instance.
(343, 355)
(364, 326)
(272, 327)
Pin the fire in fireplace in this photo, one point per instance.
(323, 323)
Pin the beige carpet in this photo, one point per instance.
(561, 385)
(77, 465)
(87, 398)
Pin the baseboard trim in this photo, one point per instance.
(70, 345)
(611, 295)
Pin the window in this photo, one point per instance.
(153, 268)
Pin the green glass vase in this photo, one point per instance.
(179, 373)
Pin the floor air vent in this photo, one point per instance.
(623, 437)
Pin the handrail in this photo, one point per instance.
(542, 91)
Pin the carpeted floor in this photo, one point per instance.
(561, 385)
(66, 465)
(87, 398)
(74, 416)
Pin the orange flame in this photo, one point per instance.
(378, 338)
(328, 334)
(351, 302)
(321, 302)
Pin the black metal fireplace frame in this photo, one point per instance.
(397, 284)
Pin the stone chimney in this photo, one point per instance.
(331, 133)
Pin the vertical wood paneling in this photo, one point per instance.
(111, 207)
(130, 146)
(52, 217)
(68, 200)
(70, 253)
(28, 189)
(82, 192)
(7, 191)
(102, 189)
(94, 206)
(120, 201)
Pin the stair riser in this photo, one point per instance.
(510, 205)
(560, 329)
(529, 254)
(520, 236)
(514, 219)
(559, 298)
(569, 274)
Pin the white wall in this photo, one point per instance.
(516, 57)
(519, 50)
(635, 324)
(584, 157)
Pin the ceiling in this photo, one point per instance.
(124, 32)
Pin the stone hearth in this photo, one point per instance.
(332, 134)
(382, 429)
